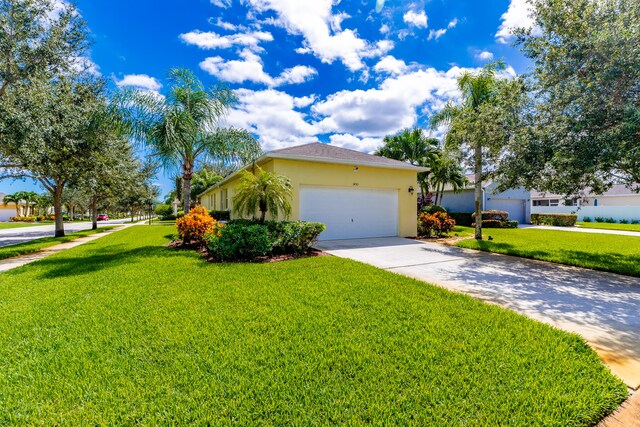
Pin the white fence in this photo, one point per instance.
(592, 212)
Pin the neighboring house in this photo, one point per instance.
(618, 203)
(8, 211)
(516, 201)
(356, 195)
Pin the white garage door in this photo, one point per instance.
(515, 207)
(351, 213)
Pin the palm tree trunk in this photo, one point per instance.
(186, 188)
(57, 211)
(478, 189)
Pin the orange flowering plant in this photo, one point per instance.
(195, 225)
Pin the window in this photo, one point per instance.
(574, 202)
(547, 202)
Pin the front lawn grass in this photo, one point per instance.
(45, 242)
(607, 226)
(125, 331)
(8, 225)
(607, 252)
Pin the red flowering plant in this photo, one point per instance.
(195, 225)
(435, 225)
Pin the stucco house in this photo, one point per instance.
(6, 211)
(356, 195)
(515, 201)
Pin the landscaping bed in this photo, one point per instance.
(126, 331)
(606, 252)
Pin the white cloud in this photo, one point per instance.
(390, 107)
(436, 34)
(485, 55)
(345, 140)
(224, 25)
(85, 64)
(250, 68)
(518, 15)
(391, 65)
(417, 19)
(221, 3)
(316, 23)
(141, 81)
(385, 29)
(272, 115)
(453, 23)
(304, 101)
(211, 40)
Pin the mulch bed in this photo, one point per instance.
(179, 244)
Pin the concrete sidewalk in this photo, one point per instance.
(19, 261)
(578, 229)
(602, 307)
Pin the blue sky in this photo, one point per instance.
(340, 72)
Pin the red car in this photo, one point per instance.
(102, 217)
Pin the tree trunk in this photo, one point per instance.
(186, 188)
(57, 211)
(94, 214)
(478, 189)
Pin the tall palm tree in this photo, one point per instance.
(264, 192)
(415, 147)
(30, 198)
(15, 198)
(477, 89)
(183, 128)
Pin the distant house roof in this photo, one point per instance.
(325, 153)
(616, 190)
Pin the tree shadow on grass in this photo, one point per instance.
(104, 258)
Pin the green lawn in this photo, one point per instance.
(125, 331)
(607, 252)
(606, 226)
(8, 225)
(45, 242)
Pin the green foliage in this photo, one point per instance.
(606, 252)
(414, 147)
(202, 180)
(462, 218)
(294, 237)
(586, 219)
(263, 192)
(498, 223)
(432, 209)
(240, 242)
(220, 215)
(159, 337)
(495, 215)
(164, 211)
(581, 126)
(559, 220)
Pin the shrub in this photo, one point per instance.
(560, 220)
(609, 220)
(434, 225)
(495, 223)
(586, 219)
(624, 221)
(294, 237)
(180, 214)
(495, 215)
(52, 217)
(23, 219)
(195, 225)
(635, 221)
(511, 224)
(599, 219)
(242, 242)
(462, 218)
(221, 215)
(432, 209)
(165, 212)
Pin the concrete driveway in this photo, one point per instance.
(602, 307)
(13, 236)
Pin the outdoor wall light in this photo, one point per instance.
(355, 169)
(411, 189)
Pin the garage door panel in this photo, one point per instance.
(351, 213)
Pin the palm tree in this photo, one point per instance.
(447, 171)
(203, 179)
(30, 198)
(15, 198)
(183, 128)
(477, 90)
(414, 147)
(264, 191)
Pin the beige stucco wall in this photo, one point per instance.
(324, 174)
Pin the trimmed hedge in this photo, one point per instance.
(494, 223)
(462, 218)
(559, 220)
(220, 215)
(431, 209)
(495, 215)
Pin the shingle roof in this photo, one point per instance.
(317, 151)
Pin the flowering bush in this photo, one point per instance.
(195, 225)
(23, 219)
(434, 225)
